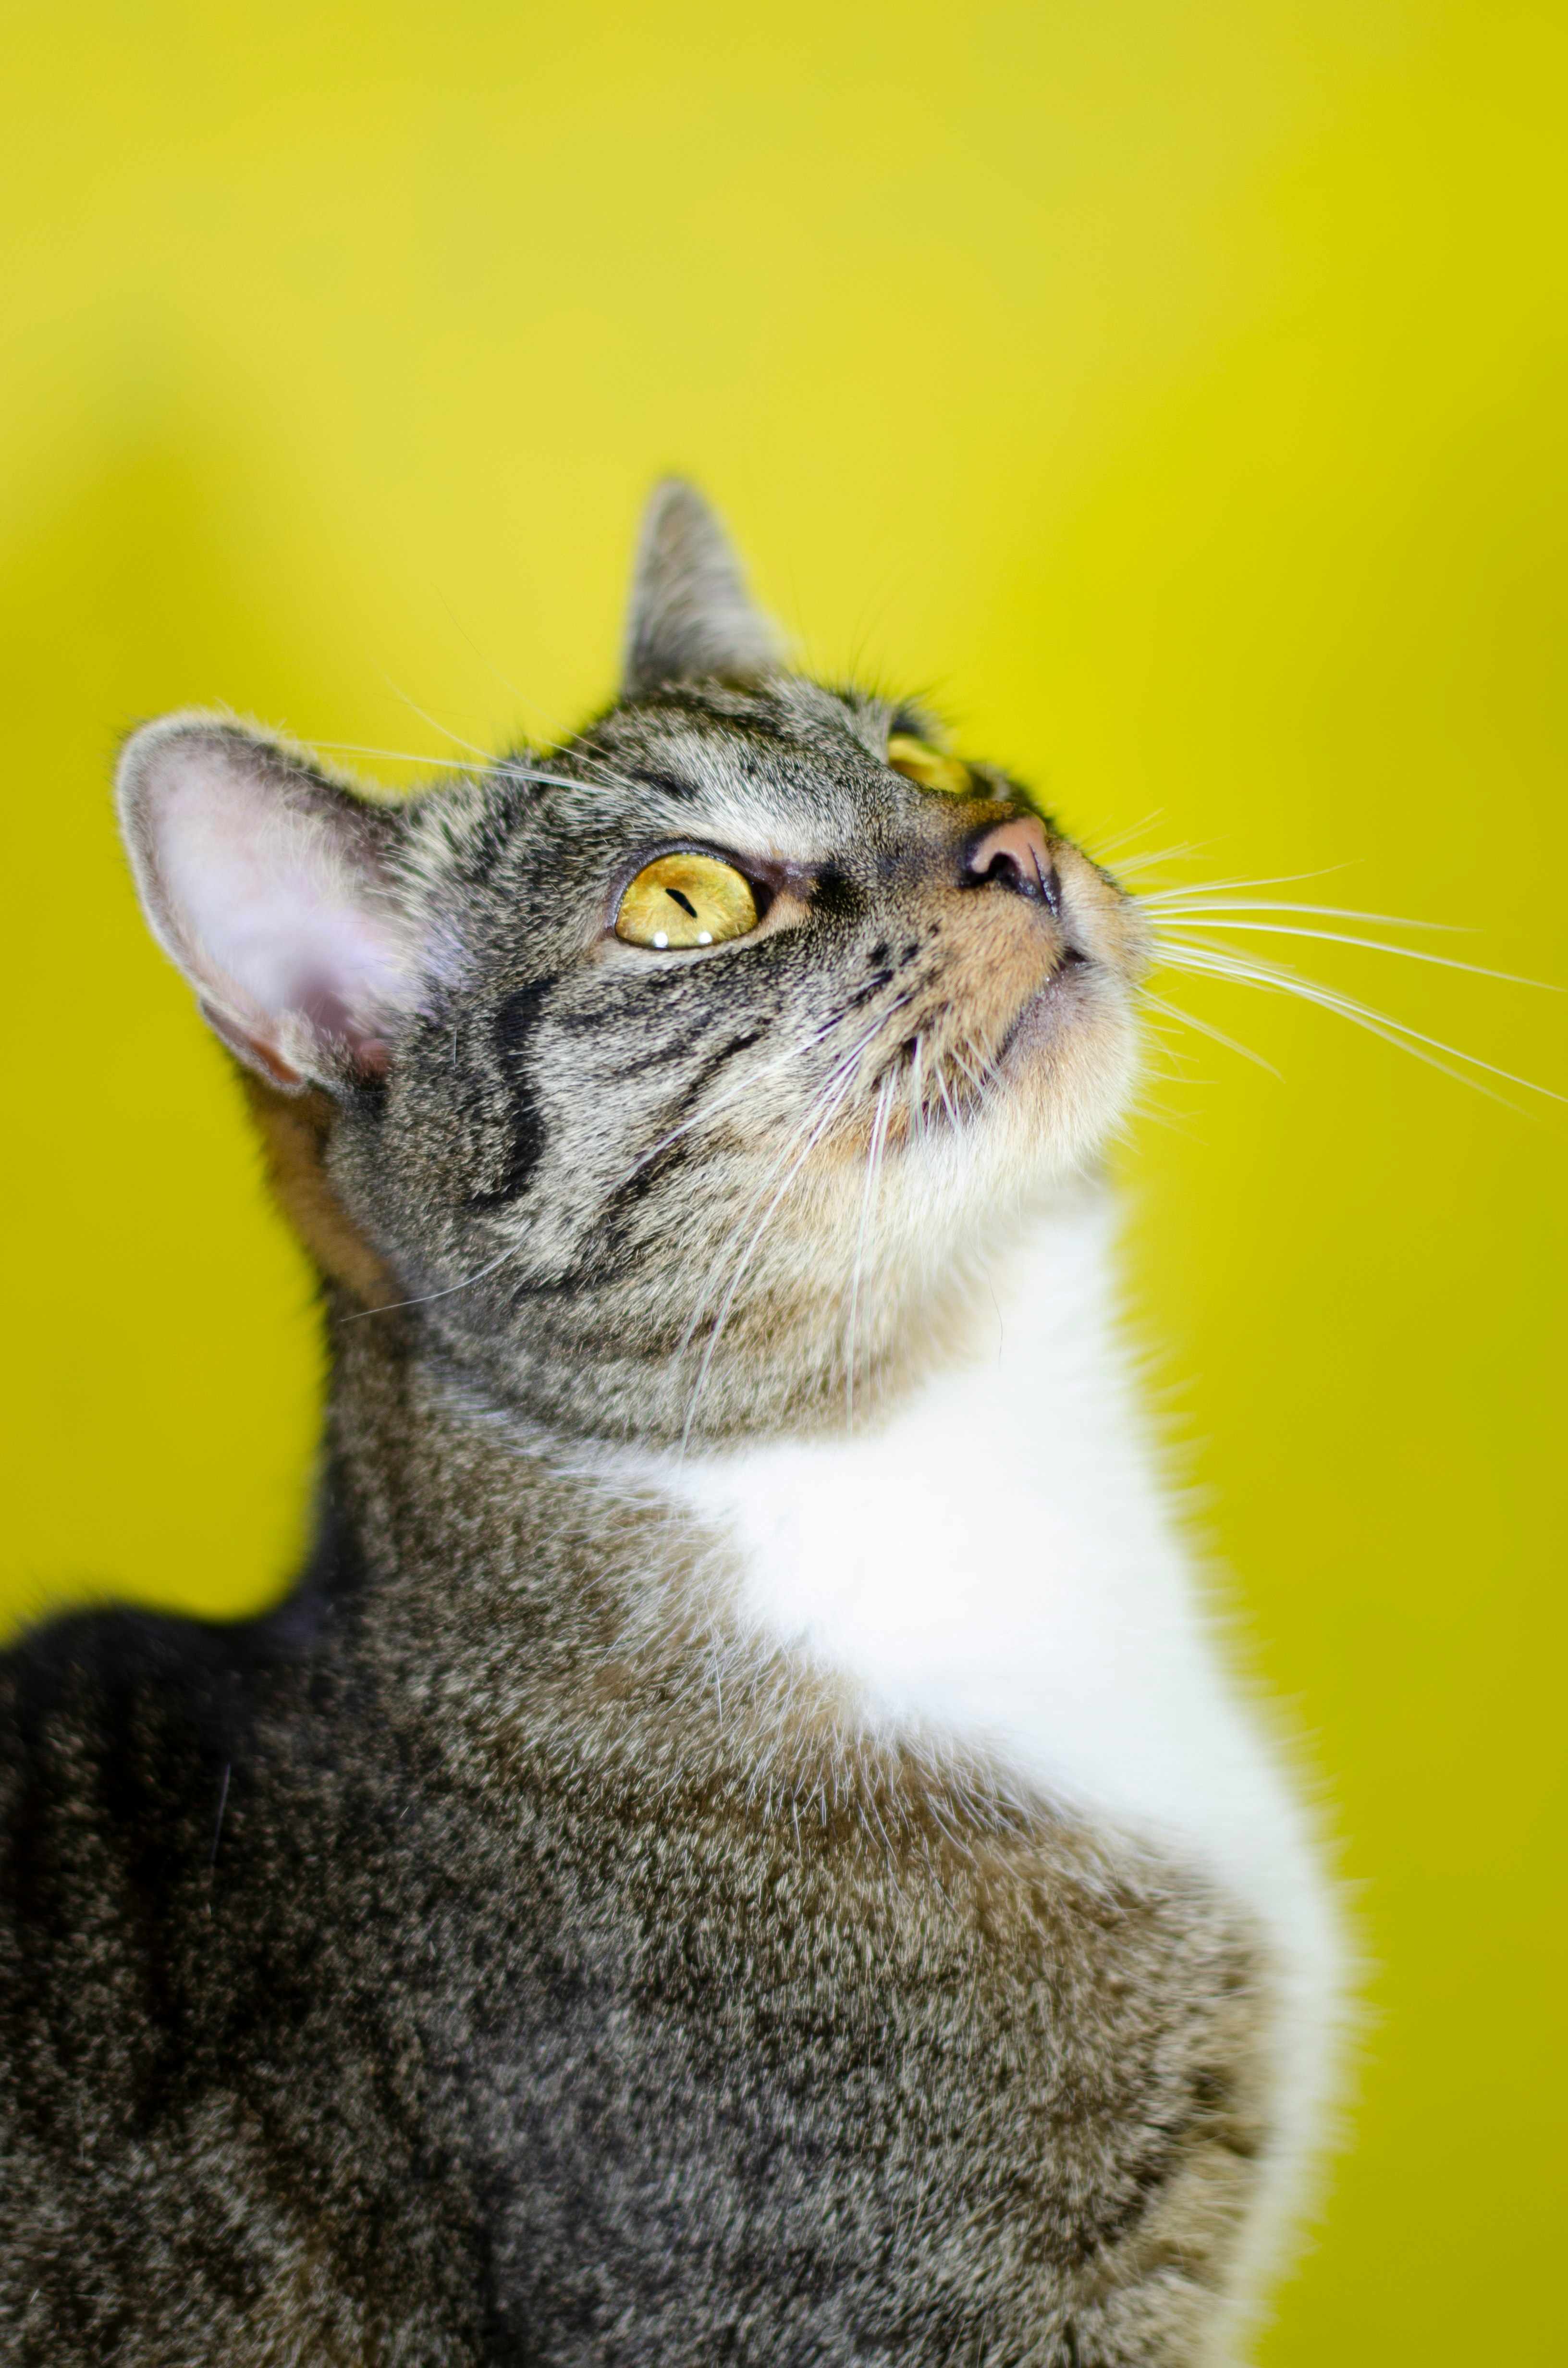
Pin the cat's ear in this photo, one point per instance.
(274, 888)
(691, 618)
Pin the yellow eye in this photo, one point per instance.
(686, 900)
(918, 761)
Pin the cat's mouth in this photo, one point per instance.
(1048, 1011)
(1083, 941)
(1018, 987)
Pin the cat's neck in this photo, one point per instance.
(428, 1442)
(1033, 1317)
(994, 1559)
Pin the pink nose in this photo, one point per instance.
(1017, 855)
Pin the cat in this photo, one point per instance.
(739, 1845)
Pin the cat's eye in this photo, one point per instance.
(918, 761)
(686, 900)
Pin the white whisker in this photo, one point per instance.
(954, 1118)
(731, 1238)
(513, 1249)
(1174, 903)
(1218, 961)
(395, 756)
(1103, 847)
(390, 1306)
(445, 732)
(873, 1170)
(1124, 865)
(514, 766)
(919, 1120)
(1202, 1027)
(1226, 887)
(769, 1213)
(1370, 945)
(843, 1067)
(737, 1093)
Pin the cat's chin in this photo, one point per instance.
(1078, 1001)
(1068, 1062)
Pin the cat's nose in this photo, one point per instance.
(1017, 855)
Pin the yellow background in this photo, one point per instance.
(1178, 391)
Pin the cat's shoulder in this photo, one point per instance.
(95, 1684)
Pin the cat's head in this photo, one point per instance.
(679, 1078)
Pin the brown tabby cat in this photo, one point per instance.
(738, 1848)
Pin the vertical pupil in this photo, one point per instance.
(684, 902)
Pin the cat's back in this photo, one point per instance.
(115, 1729)
(191, 1818)
(121, 1734)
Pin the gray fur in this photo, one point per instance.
(691, 619)
(498, 1956)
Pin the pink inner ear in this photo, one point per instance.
(252, 1049)
(280, 912)
(372, 1055)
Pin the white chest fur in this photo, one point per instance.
(999, 1566)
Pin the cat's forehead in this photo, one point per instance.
(797, 769)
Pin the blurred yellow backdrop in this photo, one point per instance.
(1175, 387)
